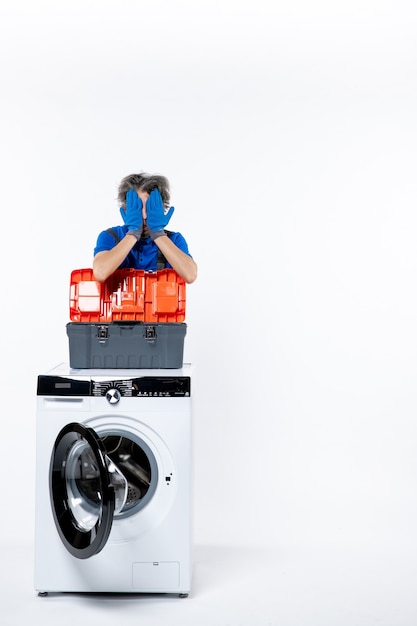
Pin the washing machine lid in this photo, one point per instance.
(81, 491)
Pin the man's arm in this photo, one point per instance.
(107, 261)
(183, 264)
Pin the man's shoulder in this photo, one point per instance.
(108, 238)
(173, 234)
(115, 232)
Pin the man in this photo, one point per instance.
(145, 210)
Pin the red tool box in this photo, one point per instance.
(134, 319)
(127, 295)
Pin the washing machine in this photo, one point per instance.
(113, 481)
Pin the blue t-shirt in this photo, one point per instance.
(144, 254)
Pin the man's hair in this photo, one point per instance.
(144, 182)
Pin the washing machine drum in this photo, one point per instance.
(88, 489)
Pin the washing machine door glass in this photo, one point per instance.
(86, 490)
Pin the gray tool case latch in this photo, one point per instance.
(102, 333)
(150, 333)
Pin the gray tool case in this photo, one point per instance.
(126, 344)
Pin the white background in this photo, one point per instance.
(288, 132)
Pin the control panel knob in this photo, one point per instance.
(113, 395)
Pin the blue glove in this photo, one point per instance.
(156, 218)
(132, 215)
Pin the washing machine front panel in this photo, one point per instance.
(142, 419)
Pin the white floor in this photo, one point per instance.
(238, 586)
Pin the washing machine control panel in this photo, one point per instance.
(143, 387)
(113, 390)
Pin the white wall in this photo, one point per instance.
(288, 131)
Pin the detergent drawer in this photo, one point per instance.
(124, 345)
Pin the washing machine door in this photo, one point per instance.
(82, 491)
